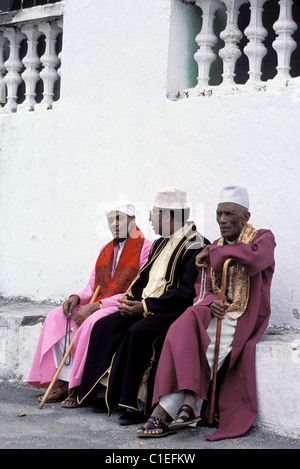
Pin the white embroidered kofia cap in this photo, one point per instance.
(236, 195)
(170, 197)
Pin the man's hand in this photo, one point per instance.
(69, 305)
(85, 312)
(130, 308)
(202, 259)
(219, 309)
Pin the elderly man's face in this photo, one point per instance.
(231, 219)
(119, 224)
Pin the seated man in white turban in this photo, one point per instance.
(184, 371)
(117, 265)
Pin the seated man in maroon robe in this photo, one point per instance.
(182, 383)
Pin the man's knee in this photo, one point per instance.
(109, 325)
(56, 314)
(138, 332)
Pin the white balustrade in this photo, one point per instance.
(33, 67)
(206, 41)
(284, 44)
(255, 49)
(49, 61)
(31, 62)
(13, 65)
(231, 36)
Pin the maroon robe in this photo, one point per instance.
(183, 364)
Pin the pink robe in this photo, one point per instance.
(43, 366)
(183, 363)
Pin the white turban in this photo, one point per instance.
(129, 209)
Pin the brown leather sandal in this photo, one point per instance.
(57, 395)
(153, 423)
(187, 420)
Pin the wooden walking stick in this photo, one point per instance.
(64, 358)
(228, 261)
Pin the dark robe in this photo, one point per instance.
(129, 346)
(183, 364)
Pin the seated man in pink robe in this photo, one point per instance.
(184, 372)
(117, 265)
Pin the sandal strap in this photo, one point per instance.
(188, 409)
(55, 394)
(156, 422)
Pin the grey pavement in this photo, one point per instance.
(54, 427)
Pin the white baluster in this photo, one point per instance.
(50, 61)
(255, 49)
(14, 66)
(60, 25)
(206, 40)
(3, 41)
(231, 36)
(32, 62)
(284, 44)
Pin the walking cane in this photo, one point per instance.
(228, 261)
(64, 357)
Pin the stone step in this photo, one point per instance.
(278, 382)
(21, 322)
(277, 362)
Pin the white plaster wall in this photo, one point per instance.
(114, 133)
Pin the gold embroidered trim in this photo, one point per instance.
(146, 312)
(239, 280)
(160, 248)
(106, 401)
(145, 378)
(143, 382)
(171, 279)
(93, 387)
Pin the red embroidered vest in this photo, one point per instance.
(127, 268)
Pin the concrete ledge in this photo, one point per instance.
(278, 381)
(21, 322)
(277, 362)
